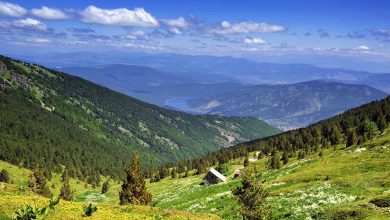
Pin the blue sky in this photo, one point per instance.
(358, 30)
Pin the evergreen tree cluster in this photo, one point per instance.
(353, 127)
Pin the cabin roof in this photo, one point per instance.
(217, 174)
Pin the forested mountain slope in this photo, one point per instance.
(64, 120)
(353, 127)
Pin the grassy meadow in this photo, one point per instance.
(338, 185)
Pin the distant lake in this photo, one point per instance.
(181, 103)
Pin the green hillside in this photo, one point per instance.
(64, 120)
(340, 183)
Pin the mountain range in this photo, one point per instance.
(67, 120)
(286, 106)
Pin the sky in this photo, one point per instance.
(294, 31)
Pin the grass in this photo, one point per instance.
(339, 185)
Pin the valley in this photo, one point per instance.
(189, 110)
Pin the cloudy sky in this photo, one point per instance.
(348, 28)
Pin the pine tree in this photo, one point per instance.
(381, 122)
(352, 138)
(164, 172)
(37, 183)
(246, 162)
(251, 197)
(285, 157)
(66, 192)
(4, 176)
(274, 161)
(105, 186)
(133, 187)
(174, 173)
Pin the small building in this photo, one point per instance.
(213, 177)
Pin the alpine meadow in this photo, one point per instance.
(236, 110)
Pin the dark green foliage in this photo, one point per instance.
(105, 186)
(274, 161)
(174, 173)
(37, 183)
(200, 167)
(133, 187)
(65, 120)
(251, 197)
(89, 210)
(4, 176)
(164, 172)
(29, 212)
(285, 157)
(381, 201)
(53, 202)
(223, 168)
(352, 138)
(66, 192)
(340, 214)
(246, 162)
(323, 134)
(368, 128)
(301, 155)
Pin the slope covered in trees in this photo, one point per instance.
(354, 127)
(51, 117)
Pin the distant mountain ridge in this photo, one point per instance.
(211, 69)
(290, 105)
(284, 105)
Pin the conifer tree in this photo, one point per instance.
(174, 173)
(274, 161)
(105, 186)
(66, 192)
(251, 197)
(246, 162)
(285, 157)
(352, 138)
(4, 176)
(37, 183)
(133, 187)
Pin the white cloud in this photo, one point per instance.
(362, 48)
(254, 40)
(245, 27)
(179, 22)
(49, 13)
(175, 31)
(40, 40)
(30, 23)
(11, 10)
(121, 16)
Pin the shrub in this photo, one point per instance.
(223, 169)
(105, 187)
(4, 176)
(88, 210)
(381, 201)
(32, 212)
(341, 214)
